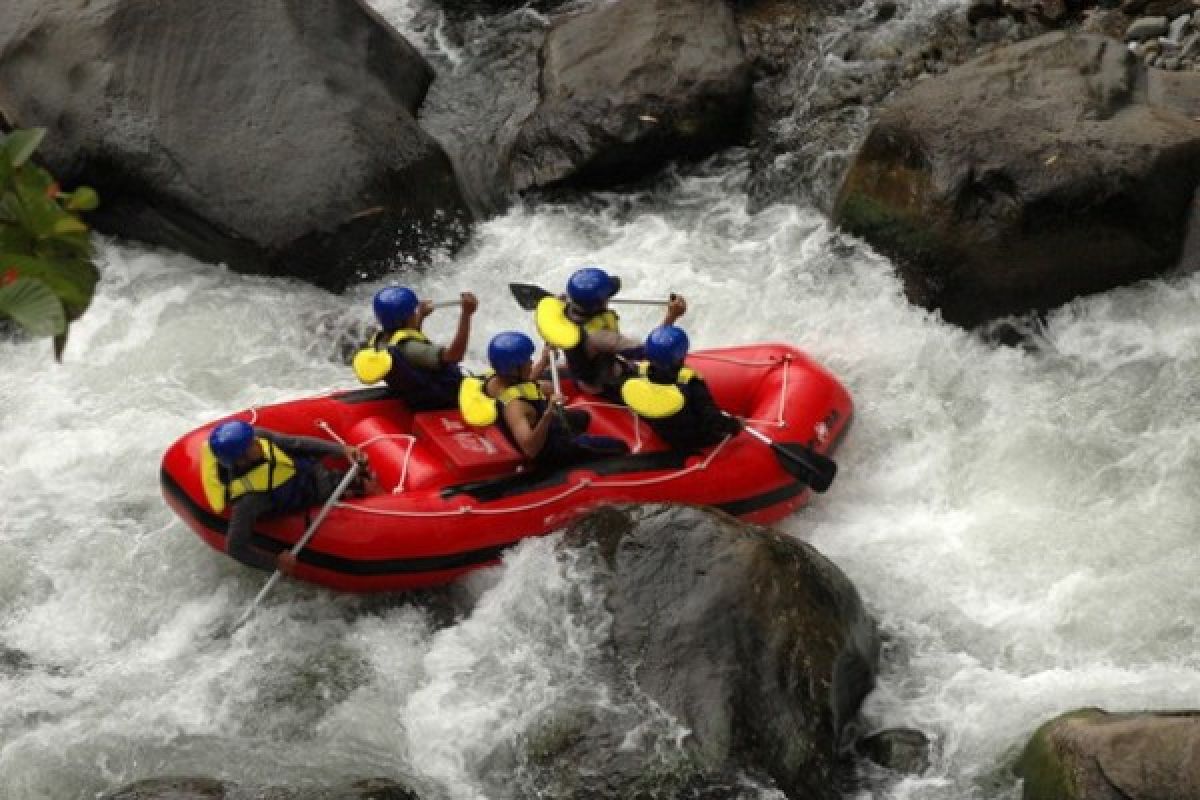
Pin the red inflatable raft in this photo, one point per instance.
(455, 497)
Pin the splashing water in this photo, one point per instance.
(1021, 521)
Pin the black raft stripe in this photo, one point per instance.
(347, 566)
(420, 564)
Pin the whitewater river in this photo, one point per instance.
(1021, 521)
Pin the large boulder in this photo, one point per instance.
(1020, 180)
(1091, 754)
(476, 109)
(757, 646)
(277, 136)
(628, 86)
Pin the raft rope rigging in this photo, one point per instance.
(585, 483)
(582, 484)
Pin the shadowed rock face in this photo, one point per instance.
(627, 87)
(1025, 178)
(757, 645)
(277, 136)
(1090, 754)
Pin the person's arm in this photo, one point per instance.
(676, 308)
(306, 446)
(709, 413)
(424, 309)
(530, 438)
(542, 363)
(458, 346)
(610, 342)
(246, 511)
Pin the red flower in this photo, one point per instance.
(9, 276)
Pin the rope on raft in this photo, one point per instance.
(586, 483)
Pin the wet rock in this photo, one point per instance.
(1178, 27)
(629, 86)
(1034, 174)
(978, 10)
(1091, 754)
(757, 646)
(901, 749)
(13, 660)
(190, 788)
(1106, 22)
(1168, 8)
(1146, 28)
(276, 137)
(1052, 13)
(475, 109)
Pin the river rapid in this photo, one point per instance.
(1020, 520)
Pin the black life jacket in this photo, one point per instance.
(289, 483)
(593, 369)
(420, 389)
(677, 406)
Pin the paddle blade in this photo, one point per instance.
(527, 295)
(816, 470)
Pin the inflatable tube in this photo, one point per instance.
(455, 497)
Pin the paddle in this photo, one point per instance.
(814, 469)
(540, 321)
(558, 400)
(308, 534)
(528, 296)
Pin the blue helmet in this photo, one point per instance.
(394, 304)
(509, 351)
(667, 346)
(229, 441)
(591, 287)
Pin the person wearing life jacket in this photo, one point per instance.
(673, 399)
(419, 372)
(261, 473)
(526, 412)
(598, 362)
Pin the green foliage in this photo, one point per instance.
(47, 276)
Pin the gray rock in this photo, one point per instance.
(900, 749)
(276, 136)
(1190, 46)
(1025, 178)
(752, 641)
(978, 10)
(627, 87)
(1178, 27)
(1106, 22)
(1146, 28)
(1178, 92)
(1167, 8)
(1091, 754)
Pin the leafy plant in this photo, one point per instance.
(47, 277)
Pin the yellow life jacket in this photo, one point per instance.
(276, 469)
(374, 362)
(480, 409)
(606, 320)
(655, 400)
(562, 332)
